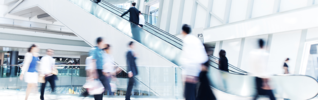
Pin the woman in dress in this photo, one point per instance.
(29, 69)
(286, 71)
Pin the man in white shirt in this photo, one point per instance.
(259, 60)
(141, 20)
(192, 57)
(46, 70)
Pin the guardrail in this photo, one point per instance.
(33, 25)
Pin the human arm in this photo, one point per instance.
(125, 12)
(129, 63)
(26, 64)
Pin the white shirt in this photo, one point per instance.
(26, 62)
(258, 63)
(47, 64)
(193, 55)
(141, 20)
(108, 63)
(88, 63)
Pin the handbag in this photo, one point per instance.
(94, 87)
(55, 71)
(41, 78)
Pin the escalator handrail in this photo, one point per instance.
(152, 33)
(116, 64)
(177, 39)
(158, 29)
(230, 65)
(234, 72)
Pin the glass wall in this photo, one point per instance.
(312, 64)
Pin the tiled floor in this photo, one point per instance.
(19, 95)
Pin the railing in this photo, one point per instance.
(151, 81)
(33, 25)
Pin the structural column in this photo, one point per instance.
(13, 61)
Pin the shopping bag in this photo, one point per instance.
(94, 87)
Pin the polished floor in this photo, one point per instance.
(19, 95)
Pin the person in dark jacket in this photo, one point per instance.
(205, 92)
(131, 69)
(223, 62)
(133, 14)
(134, 19)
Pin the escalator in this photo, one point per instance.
(236, 82)
(89, 20)
(177, 42)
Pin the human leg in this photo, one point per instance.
(190, 91)
(131, 82)
(51, 79)
(30, 87)
(42, 90)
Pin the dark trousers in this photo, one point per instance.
(130, 86)
(51, 80)
(105, 83)
(135, 31)
(190, 91)
(260, 91)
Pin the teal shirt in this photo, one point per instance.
(98, 56)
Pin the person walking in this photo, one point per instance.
(192, 57)
(223, 62)
(133, 14)
(286, 71)
(141, 20)
(97, 66)
(108, 66)
(29, 71)
(259, 60)
(88, 68)
(131, 69)
(204, 91)
(47, 71)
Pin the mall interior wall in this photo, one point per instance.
(279, 45)
(198, 13)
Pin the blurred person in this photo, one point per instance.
(133, 13)
(97, 66)
(259, 60)
(29, 69)
(47, 69)
(223, 62)
(192, 57)
(286, 71)
(108, 66)
(88, 69)
(131, 69)
(204, 91)
(141, 20)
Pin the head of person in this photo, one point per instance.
(100, 42)
(33, 49)
(107, 48)
(287, 59)
(261, 43)
(140, 13)
(186, 29)
(49, 52)
(222, 53)
(133, 4)
(131, 45)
